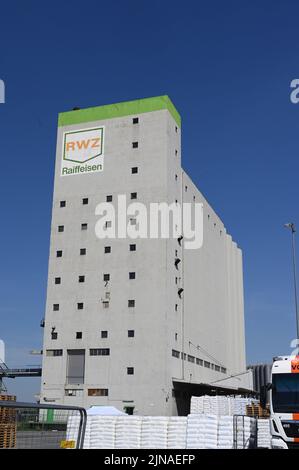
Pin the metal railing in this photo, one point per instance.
(242, 439)
(41, 426)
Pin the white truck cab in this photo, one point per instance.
(284, 402)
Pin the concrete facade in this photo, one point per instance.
(204, 327)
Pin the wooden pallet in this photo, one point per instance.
(7, 415)
(256, 411)
(8, 436)
(8, 397)
(8, 428)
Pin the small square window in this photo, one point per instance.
(131, 303)
(54, 335)
(55, 307)
(132, 275)
(104, 334)
(105, 303)
(106, 277)
(108, 224)
(131, 333)
(109, 198)
(130, 370)
(80, 305)
(59, 254)
(134, 170)
(133, 221)
(62, 203)
(83, 226)
(60, 228)
(81, 278)
(133, 247)
(135, 145)
(57, 280)
(79, 335)
(133, 195)
(82, 251)
(135, 120)
(85, 201)
(107, 249)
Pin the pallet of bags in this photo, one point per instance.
(101, 433)
(86, 443)
(128, 432)
(202, 431)
(223, 406)
(195, 432)
(210, 423)
(225, 432)
(263, 433)
(177, 432)
(213, 406)
(196, 405)
(207, 404)
(216, 405)
(72, 428)
(245, 427)
(154, 432)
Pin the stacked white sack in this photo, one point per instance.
(213, 406)
(219, 405)
(154, 432)
(128, 432)
(238, 405)
(223, 406)
(197, 405)
(177, 432)
(195, 432)
(202, 431)
(86, 444)
(211, 431)
(72, 428)
(263, 434)
(102, 432)
(225, 432)
(202, 404)
(245, 427)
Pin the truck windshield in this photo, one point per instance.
(285, 393)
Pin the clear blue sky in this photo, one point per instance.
(227, 66)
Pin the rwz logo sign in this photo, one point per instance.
(295, 366)
(80, 147)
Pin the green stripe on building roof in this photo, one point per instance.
(116, 110)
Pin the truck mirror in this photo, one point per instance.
(263, 396)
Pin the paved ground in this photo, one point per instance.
(39, 439)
